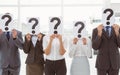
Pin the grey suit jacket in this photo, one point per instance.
(108, 47)
(9, 53)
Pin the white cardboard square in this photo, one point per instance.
(52, 25)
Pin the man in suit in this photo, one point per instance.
(9, 53)
(106, 39)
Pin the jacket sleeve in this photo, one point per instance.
(96, 40)
(19, 41)
(26, 46)
(72, 49)
(118, 39)
(88, 48)
(1, 38)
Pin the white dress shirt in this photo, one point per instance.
(54, 54)
(34, 40)
(79, 49)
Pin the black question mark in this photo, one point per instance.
(81, 28)
(8, 21)
(34, 25)
(57, 24)
(111, 13)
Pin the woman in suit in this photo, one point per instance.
(80, 50)
(35, 59)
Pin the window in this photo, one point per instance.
(44, 13)
(71, 11)
(85, 13)
(8, 2)
(83, 2)
(40, 2)
(115, 1)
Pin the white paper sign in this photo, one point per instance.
(32, 26)
(7, 22)
(1, 23)
(79, 29)
(55, 25)
(108, 17)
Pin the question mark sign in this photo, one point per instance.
(34, 25)
(8, 21)
(111, 13)
(57, 24)
(81, 28)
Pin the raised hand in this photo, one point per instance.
(116, 29)
(99, 28)
(14, 33)
(75, 40)
(84, 41)
(28, 37)
(1, 32)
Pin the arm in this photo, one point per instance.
(88, 48)
(18, 41)
(117, 33)
(72, 48)
(118, 39)
(47, 46)
(63, 45)
(96, 39)
(40, 40)
(26, 46)
(1, 33)
(62, 49)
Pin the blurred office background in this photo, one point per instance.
(69, 10)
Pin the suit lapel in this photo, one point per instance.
(5, 39)
(111, 35)
(112, 32)
(11, 38)
(105, 34)
(32, 42)
(4, 36)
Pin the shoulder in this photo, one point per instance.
(95, 30)
(19, 32)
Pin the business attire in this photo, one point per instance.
(80, 54)
(108, 58)
(35, 58)
(55, 63)
(9, 53)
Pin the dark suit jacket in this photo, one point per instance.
(35, 54)
(108, 47)
(9, 53)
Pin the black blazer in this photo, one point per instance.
(35, 54)
(108, 47)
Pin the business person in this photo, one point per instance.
(106, 39)
(10, 41)
(55, 48)
(35, 59)
(80, 51)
